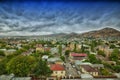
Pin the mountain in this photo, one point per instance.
(103, 33)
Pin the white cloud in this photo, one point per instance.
(63, 18)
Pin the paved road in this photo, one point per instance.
(71, 71)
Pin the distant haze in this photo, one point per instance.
(41, 18)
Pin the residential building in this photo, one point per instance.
(77, 56)
(58, 70)
(87, 69)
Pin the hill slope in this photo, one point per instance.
(106, 32)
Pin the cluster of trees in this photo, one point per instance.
(24, 66)
(112, 46)
(60, 49)
(100, 52)
(95, 43)
(105, 71)
(92, 59)
(115, 68)
(2, 53)
(67, 52)
(115, 55)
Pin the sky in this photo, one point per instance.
(43, 17)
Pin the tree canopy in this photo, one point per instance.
(100, 52)
(114, 55)
(41, 69)
(21, 65)
(93, 59)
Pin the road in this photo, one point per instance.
(71, 69)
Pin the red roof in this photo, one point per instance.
(78, 54)
(57, 67)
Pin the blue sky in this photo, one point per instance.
(49, 17)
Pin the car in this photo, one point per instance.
(73, 65)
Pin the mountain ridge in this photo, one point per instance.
(101, 33)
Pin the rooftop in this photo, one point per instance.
(57, 67)
(78, 54)
(88, 68)
(86, 76)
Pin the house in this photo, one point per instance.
(12, 77)
(98, 66)
(58, 70)
(86, 76)
(22, 78)
(46, 49)
(111, 62)
(117, 74)
(6, 77)
(78, 47)
(54, 50)
(78, 62)
(87, 69)
(45, 57)
(77, 56)
(106, 49)
(87, 47)
(39, 48)
(72, 45)
(10, 51)
(55, 60)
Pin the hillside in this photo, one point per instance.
(106, 32)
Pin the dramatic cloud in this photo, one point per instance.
(39, 18)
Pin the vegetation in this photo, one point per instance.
(2, 53)
(93, 59)
(41, 69)
(67, 52)
(105, 72)
(60, 50)
(21, 65)
(100, 52)
(93, 45)
(116, 68)
(115, 55)
(3, 66)
(112, 46)
(75, 47)
(82, 48)
(62, 58)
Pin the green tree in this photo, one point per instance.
(19, 51)
(41, 69)
(62, 58)
(21, 65)
(3, 63)
(112, 46)
(100, 52)
(2, 53)
(104, 72)
(75, 47)
(60, 49)
(93, 59)
(116, 50)
(116, 68)
(93, 45)
(82, 48)
(67, 52)
(86, 51)
(114, 55)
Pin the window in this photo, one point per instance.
(56, 72)
(61, 72)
